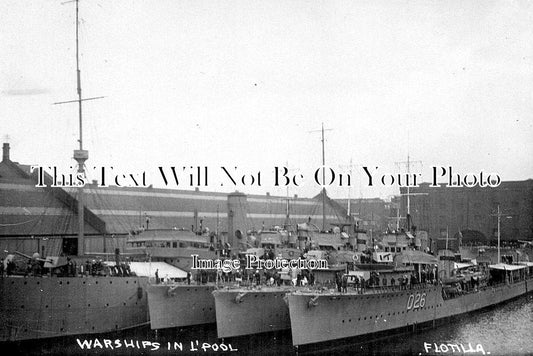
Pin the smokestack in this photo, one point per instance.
(5, 153)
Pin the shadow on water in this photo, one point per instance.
(502, 330)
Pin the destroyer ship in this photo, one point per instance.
(256, 308)
(191, 302)
(325, 316)
(178, 303)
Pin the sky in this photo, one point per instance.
(248, 84)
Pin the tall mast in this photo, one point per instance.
(408, 166)
(80, 155)
(408, 196)
(499, 214)
(349, 207)
(499, 219)
(323, 182)
(78, 74)
(287, 206)
(323, 178)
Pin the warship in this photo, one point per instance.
(58, 303)
(45, 307)
(183, 304)
(177, 303)
(325, 316)
(255, 308)
(180, 305)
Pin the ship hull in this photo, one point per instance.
(317, 318)
(36, 308)
(180, 305)
(244, 312)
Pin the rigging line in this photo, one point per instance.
(106, 204)
(98, 200)
(44, 199)
(121, 220)
(21, 223)
(39, 219)
(31, 220)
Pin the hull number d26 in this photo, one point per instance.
(416, 301)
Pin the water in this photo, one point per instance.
(503, 330)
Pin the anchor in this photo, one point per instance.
(313, 302)
(238, 298)
(171, 290)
